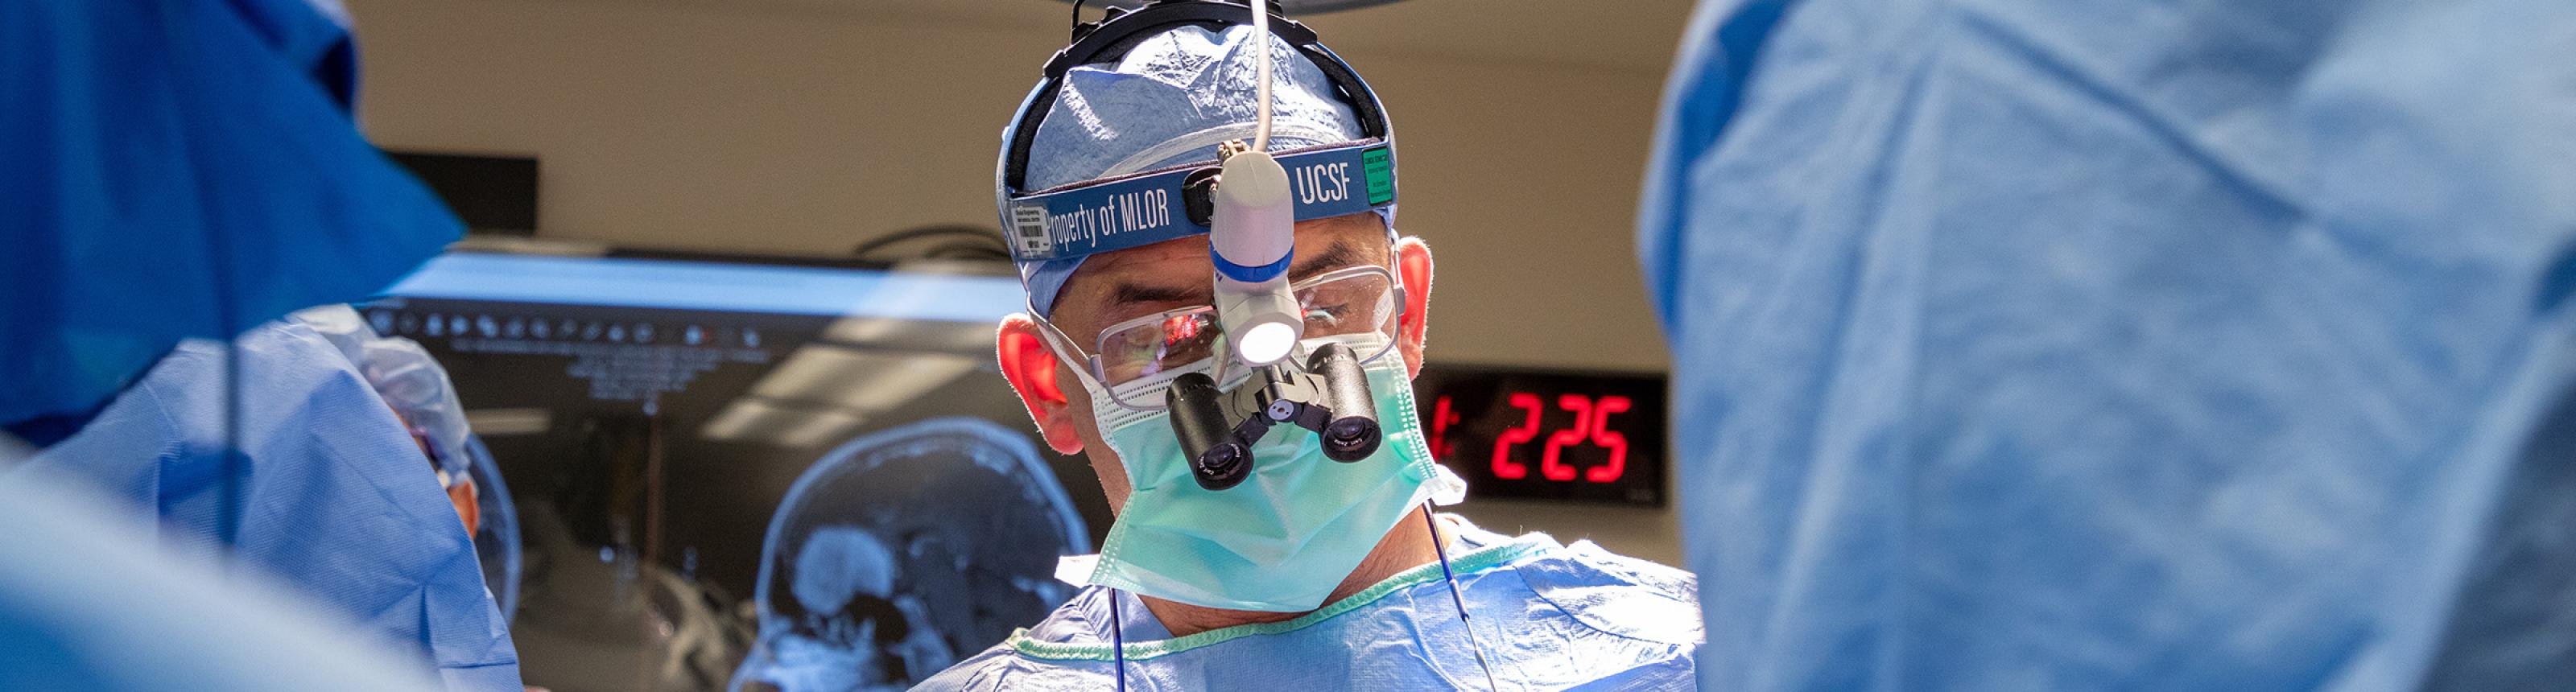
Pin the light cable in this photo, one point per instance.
(1459, 601)
(1261, 51)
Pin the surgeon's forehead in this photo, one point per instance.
(1174, 273)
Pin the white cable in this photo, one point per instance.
(1261, 50)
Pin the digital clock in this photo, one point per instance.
(1547, 434)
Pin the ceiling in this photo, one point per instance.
(1638, 37)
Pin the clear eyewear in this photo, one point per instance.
(1352, 300)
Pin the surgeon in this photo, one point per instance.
(1310, 573)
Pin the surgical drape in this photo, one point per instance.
(2048, 345)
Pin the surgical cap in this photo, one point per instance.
(1169, 102)
(339, 324)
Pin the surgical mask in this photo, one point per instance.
(1282, 540)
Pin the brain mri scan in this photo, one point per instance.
(901, 552)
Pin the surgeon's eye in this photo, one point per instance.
(1344, 305)
(1128, 353)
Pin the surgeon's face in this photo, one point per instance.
(1116, 286)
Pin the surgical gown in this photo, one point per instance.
(2124, 345)
(90, 602)
(1549, 617)
(180, 168)
(322, 489)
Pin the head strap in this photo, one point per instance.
(1155, 206)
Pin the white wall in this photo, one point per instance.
(796, 128)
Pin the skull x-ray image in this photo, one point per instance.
(901, 552)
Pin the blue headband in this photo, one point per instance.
(1152, 207)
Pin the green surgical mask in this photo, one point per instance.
(1289, 534)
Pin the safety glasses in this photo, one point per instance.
(1136, 359)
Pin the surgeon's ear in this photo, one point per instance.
(1413, 267)
(1031, 368)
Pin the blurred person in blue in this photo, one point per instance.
(416, 387)
(309, 477)
(2124, 345)
(182, 173)
(1308, 572)
(89, 600)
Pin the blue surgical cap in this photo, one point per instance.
(1169, 102)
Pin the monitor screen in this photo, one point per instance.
(710, 463)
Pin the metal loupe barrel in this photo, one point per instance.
(1353, 432)
(1217, 460)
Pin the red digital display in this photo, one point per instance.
(1531, 434)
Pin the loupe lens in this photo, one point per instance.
(1222, 466)
(1351, 439)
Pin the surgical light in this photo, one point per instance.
(1251, 238)
(1268, 342)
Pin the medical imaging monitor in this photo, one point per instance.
(713, 461)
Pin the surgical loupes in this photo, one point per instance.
(1217, 429)
(1251, 239)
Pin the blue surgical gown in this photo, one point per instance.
(2124, 344)
(89, 602)
(1549, 617)
(180, 168)
(322, 489)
